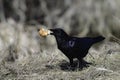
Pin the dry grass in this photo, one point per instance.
(22, 58)
(24, 55)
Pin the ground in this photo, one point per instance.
(24, 55)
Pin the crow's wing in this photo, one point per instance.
(70, 43)
(83, 43)
(75, 43)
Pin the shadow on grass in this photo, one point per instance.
(64, 65)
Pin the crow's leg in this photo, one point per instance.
(83, 63)
(71, 67)
(80, 63)
(71, 61)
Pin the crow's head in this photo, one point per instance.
(57, 32)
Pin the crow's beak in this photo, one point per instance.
(51, 31)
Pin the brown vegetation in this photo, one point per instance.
(25, 55)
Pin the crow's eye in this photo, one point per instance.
(59, 33)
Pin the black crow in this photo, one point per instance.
(74, 47)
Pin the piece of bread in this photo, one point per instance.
(44, 32)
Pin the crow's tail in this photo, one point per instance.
(98, 39)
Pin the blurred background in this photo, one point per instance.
(21, 45)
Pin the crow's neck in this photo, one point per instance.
(62, 39)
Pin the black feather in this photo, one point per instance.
(74, 47)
